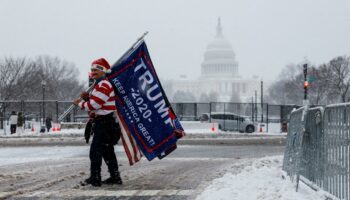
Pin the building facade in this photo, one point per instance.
(219, 80)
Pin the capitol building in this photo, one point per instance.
(220, 80)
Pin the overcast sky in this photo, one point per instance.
(266, 35)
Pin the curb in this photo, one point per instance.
(79, 141)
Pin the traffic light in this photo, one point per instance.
(305, 70)
(306, 83)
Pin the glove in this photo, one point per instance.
(91, 115)
(87, 132)
(84, 96)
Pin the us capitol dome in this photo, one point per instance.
(219, 58)
(219, 80)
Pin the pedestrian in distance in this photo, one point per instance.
(48, 124)
(13, 122)
(102, 126)
(20, 122)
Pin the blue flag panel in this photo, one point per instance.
(143, 108)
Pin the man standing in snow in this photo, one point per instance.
(104, 129)
(48, 124)
(13, 122)
(20, 122)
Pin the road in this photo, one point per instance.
(54, 172)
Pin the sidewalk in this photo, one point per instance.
(72, 138)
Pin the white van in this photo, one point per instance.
(229, 121)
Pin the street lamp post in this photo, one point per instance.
(43, 84)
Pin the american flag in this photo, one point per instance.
(131, 149)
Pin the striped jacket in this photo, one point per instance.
(101, 99)
(102, 102)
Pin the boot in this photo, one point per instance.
(114, 179)
(94, 180)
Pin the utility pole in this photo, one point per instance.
(262, 102)
(306, 85)
(253, 109)
(256, 105)
(43, 84)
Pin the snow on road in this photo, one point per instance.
(260, 181)
(20, 155)
(253, 179)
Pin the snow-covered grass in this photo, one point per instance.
(192, 132)
(259, 181)
(196, 127)
(36, 133)
(29, 133)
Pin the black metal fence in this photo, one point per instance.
(267, 114)
(37, 110)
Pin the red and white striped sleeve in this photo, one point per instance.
(99, 96)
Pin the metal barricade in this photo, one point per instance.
(312, 160)
(293, 150)
(321, 153)
(336, 150)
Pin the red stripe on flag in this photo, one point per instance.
(132, 158)
(132, 144)
(127, 151)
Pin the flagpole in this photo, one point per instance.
(69, 110)
(132, 46)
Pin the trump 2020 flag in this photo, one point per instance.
(143, 108)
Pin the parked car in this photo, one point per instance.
(229, 121)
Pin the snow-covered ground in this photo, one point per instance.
(36, 132)
(191, 127)
(255, 179)
(72, 132)
(197, 127)
(260, 181)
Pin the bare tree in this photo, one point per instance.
(21, 78)
(60, 76)
(319, 86)
(288, 88)
(11, 70)
(330, 85)
(339, 77)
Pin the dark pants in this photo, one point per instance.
(101, 149)
(13, 128)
